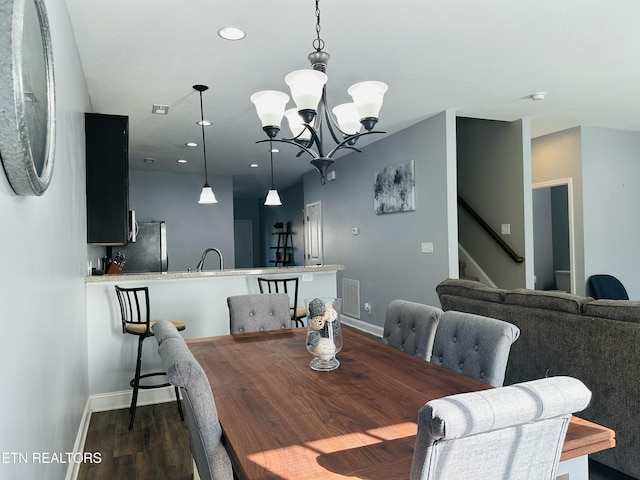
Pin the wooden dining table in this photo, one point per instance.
(282, 420)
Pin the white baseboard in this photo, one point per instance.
(116, 400)
(81, 437)
(363, 326)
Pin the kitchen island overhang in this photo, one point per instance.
(197, 298)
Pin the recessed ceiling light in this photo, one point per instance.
(254, 165)
(181, 160)
(538, 96)
(191, 144)
(206, 123)
(231, 33)
(160, 109)
(149, 160)
(275, 150)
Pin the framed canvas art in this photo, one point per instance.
(394, 188)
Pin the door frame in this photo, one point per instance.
(569, 183)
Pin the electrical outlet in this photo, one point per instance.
(426, 247)
(367, 308)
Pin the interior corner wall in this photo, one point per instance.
(191, 227)
(249, 209)
(610, 172)
(491, 179)
(291, 210)
(42, 290)
(558, 156)
(385, 255)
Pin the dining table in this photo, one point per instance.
(282, 420)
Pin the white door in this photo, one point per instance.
(313, 234)
(243, 243)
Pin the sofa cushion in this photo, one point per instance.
(625, 310)
(560, 301)
(470, 289)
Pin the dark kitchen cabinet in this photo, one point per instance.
(107, 145)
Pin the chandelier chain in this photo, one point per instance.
(318, 43)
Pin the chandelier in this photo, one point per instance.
(311, 114)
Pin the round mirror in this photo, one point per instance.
(27, 105)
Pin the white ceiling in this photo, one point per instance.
(480, 58)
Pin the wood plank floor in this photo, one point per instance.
(158, 447)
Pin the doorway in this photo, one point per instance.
(553, 235)
(313, 234)
(243, 243)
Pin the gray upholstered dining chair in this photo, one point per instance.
(205, 433)
(258, 312)
(411, 327)
(507, 433)
(473, 345)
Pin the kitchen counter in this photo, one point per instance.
(197, 298)
(153, 276)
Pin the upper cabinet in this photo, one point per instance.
(107, 142)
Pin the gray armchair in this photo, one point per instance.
(507, 433)
(411, 327)
(473, 345)
(258, 312)
(205, 433)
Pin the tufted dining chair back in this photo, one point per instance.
(508, 433)
(411, 327)
(473, 345)
(205, 433)
(258, 312)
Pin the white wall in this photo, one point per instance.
(42, 291)
(191, 227)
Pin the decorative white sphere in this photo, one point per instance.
(325, 349)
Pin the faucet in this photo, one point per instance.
(204, 255)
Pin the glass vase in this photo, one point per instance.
(324, 335)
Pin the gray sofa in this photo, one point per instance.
(596, 341)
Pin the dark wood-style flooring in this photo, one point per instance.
(158, 447)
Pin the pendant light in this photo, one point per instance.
(207, 195)
(272, 197)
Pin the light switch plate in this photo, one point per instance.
(506, 229)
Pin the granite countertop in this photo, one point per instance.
(143, 277)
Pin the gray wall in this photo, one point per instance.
(491, 176)
(249, 209)
(42, 290)
(559, 156)
(191, 227)
(610, 172)
(543, 239)
(385, 257)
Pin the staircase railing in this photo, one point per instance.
(492, 233)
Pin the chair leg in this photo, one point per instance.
(179, 404)
(136, 384)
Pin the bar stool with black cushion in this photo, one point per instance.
(290, 287)
(136, 320)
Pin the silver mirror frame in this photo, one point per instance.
(27, 96)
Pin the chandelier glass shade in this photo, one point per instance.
(206, 195)
(311, 116)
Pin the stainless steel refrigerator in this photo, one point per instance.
(149, 252)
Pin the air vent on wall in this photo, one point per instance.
(351, 297)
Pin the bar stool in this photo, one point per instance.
(134, 310)
(285, 285)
